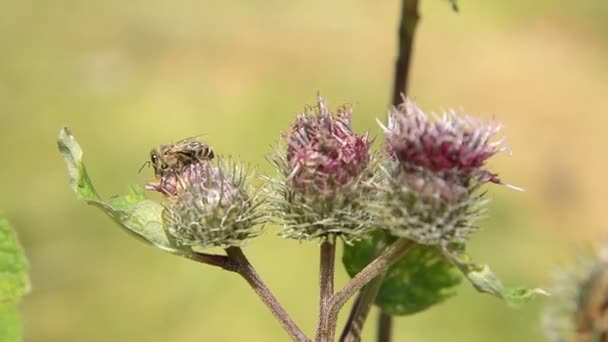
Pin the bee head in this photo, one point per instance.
(154, 157)
(158, 163)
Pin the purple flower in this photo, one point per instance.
(323, 152)
(453, 150)
(324, 176)
(435, 168)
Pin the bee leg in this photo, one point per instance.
(162, 184)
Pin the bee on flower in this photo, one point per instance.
(210, 203)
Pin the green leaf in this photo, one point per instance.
(486, 281)
(138, 216)
(14, 280)
(10, 324)
(419, 280)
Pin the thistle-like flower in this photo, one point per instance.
(210, 205)
(434, 170)
(322, 171)
(577, 308)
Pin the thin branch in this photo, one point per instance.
(351, 329)
(365, 301)
(246, 270)
(385, 327)
(389, 255)
(220, 261)
(409, 20)
(326, 286)
(236, 261)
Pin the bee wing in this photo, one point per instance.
(189, 149)
(191, 143)
(187, 145)
(189, 139)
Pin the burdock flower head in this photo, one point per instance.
(322, 166)
(210, 205)
(435, 168)
(577, 309)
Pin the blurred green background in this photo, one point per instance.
(126, 76)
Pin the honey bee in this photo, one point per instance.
(173, 158)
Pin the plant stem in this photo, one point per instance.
(350, 328)
(236, 261)
(385, 327)
(407, 29)
(220, 261)
(246, 270)
(409, 20)
(365, 301)
(326, 286)
(389, 255)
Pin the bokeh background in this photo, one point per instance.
(126, 76)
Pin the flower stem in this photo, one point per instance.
(220, 261)
(360, 311)
(246, 270)
(236, 261)
(351, 329)
(363, 303)
(389, 256)
(326, 287)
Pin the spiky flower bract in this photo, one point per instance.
(577, 309)
(210, 205)
(324, 171)
(433, 174)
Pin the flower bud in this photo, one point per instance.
(319, 191)
(209, 206)
(434, 170)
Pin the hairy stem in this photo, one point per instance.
(235, 261)
(389, 256)
(326, 286)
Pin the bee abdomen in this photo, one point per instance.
(205, 153)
